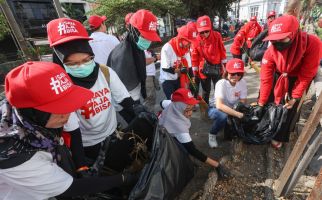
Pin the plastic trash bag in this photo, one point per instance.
(167, 173)
(259, 130)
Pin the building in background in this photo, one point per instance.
(248, 8)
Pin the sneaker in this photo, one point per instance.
(212, 141)
(276, 144)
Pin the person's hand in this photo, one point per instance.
(177, 70)
(193, 80)
(290, 104)
(184, 70)
(223, 171)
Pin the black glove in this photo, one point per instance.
(258, 112)
(223, 172)
(184, 70)
(130, 179)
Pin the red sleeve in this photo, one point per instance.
(266, 76)
(195, 57)
(309, 67)
(222, 48)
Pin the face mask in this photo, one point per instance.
(81, 71)
(143, 44)
(282, 45)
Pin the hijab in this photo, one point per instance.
(173, 120)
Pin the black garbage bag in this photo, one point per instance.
(259, 47)
(259, 130)
(168, 171)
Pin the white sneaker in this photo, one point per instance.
(212, 141)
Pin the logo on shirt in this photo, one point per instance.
(153, 26)
(60, 83)
(66, 28)
(276, 28)
(237, 94)
(194, 34)
(203, 23)
(264, 61)
(97, 104)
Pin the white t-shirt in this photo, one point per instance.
(150, 69)
(182, 137)
(102, 45)
(97, 119)
(230, 94)
(36, 179)
(168, 58)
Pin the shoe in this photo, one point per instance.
(212, 141)
(276, 144)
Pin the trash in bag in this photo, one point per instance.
(258, 130)
(167, 173)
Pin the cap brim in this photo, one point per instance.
(150, 35)
(203, 29)
(75, 99)
(192, 101)
(71, 38)
(277, 36)
(236, 71)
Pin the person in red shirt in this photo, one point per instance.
(270, 17)
(287, 69)
(208, 54)
(243, 39)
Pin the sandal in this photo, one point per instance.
(276, 144)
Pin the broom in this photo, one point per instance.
(203, 106)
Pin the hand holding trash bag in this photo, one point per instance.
(258, 112)
(223, 171)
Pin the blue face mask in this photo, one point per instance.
(143, 44)
(82, 70)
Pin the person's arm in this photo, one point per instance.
(266, 77)
(76, 147)
(226, 109)
(192, 150)
(309, 67)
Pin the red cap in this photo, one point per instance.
(282, 27)
(128, 17)
(95, 21)
(204, 24)
(253, 18)
(64, 30)
(44, 86)
(146, 23)
(271, 14)
(188, 32)
(235, 65)
(183, 95)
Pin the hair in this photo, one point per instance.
(293, 5)
(225, 75)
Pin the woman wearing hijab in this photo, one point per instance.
(208, 54)
(94, 124)
(176, 61)
(175, 118)
(287, 69)
(34, 162)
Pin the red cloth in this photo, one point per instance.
(251, 30)
(211, 48)
(300, 60)
(238, 43)
(182, 61)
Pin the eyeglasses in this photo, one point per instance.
(236, 74)
(204, 32)
(73, 64)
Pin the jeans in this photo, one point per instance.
(169, 86)
(220, 120)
